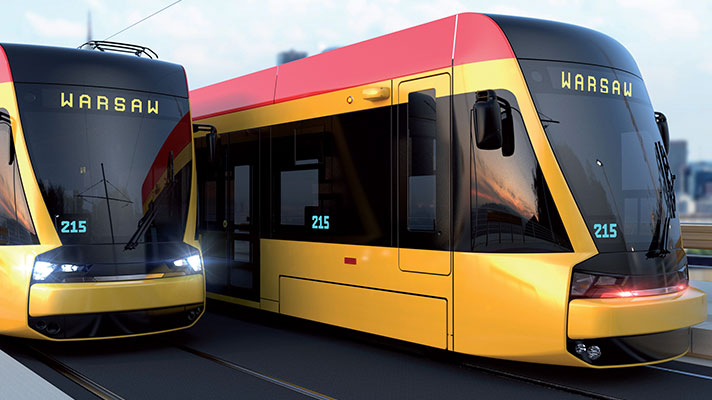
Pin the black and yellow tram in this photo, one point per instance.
(489, 185)
(97, 195)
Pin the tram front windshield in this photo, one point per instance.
(103, 156)
(602, 128)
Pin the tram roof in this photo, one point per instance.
(26, 63)
(455, 40)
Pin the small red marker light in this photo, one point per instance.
(681, 287)
(350, 260)
(625, 294)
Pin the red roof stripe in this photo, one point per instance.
(5, 75)
(401, 53)
(479, 38)
(414, 50)
(249, 91)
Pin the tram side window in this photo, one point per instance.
(299, 190)
(15, 223)
(422, 160)
(512, 207)
(330, 178)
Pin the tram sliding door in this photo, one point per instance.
(229, 218)
(424, 126)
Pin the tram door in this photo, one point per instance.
(424, 126)
(230, 234)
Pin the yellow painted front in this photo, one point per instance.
(16, 261)
(417, 319)
(82, 298)
(597, 318)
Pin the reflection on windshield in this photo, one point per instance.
(513, 210)
(99, 169)
(605, 143)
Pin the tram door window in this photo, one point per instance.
(424, 130)
(15, 224)
(422, 160)
(230, 212)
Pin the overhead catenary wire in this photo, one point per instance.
(138, 22)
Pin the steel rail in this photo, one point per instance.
(74, 375)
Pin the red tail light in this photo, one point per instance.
(584, 285)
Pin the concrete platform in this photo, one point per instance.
(702, 333)
(19, 382)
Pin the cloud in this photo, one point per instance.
(55, 27)
(663, 20)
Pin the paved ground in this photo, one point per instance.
(332, 362)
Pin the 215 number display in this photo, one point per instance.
(74, 226)
(605, 231)
(320, 222)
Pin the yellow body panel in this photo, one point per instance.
(425, 261)
(417, 319)
(15, 269)
(513, 305)
(81, 298)
(598, 318)
(376, 268)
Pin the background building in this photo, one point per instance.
(290, 55)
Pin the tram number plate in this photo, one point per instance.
(318, 219)
(605, 231)
(79, 226)
(72, 224)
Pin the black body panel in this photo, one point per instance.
(50, 65)
(122, 323)
(546, 40)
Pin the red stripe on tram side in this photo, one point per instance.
(249, 91)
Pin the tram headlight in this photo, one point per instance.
(42, 270)
(193, 261)
(591, 286)
(580, 283)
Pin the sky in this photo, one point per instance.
(217, 40)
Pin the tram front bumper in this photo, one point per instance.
(602, 318)
(100, 297)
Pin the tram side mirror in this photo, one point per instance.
(5, 120)
(507, 128)
(211, 137)
(661, 120)
(492, 123)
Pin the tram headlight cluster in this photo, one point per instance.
(592, 352)
(193, 261)
(585, 285)
(43, 269)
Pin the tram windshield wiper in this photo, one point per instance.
(658, 246)
(153, 207)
